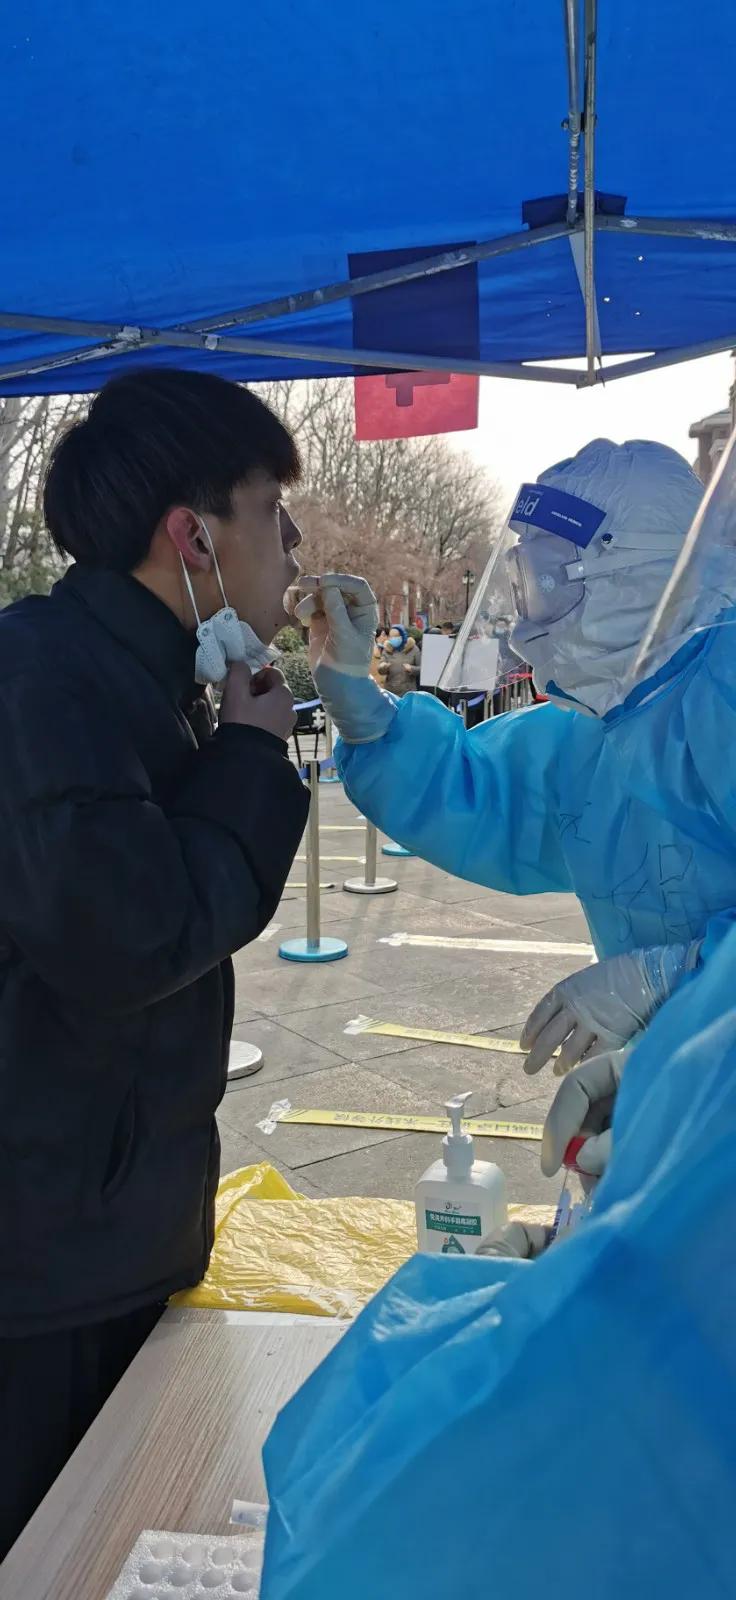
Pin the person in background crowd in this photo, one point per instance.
(398, 669)
(379, 644)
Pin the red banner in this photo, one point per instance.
(405, 405)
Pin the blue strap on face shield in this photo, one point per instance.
(553, 511)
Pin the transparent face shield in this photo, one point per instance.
(701, 592)
(471, 661)
(534, 576)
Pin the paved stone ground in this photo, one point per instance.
(297, 1014)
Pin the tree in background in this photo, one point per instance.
(294, 663)
(28, 430)
(404, 512)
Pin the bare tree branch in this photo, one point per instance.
(407, 511)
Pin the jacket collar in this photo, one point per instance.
(140, 622)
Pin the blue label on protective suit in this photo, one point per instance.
(541, 506)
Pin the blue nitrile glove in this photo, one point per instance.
(603, 1006)
(341, 613)
(518, 1241)
(584, 1104)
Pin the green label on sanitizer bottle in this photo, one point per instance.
(452, 1224)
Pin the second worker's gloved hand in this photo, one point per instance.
(518, 1241)
(604, 1005)
(341, 613)
(584, 1104)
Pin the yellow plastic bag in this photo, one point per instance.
(277, 1251)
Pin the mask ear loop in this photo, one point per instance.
(190, 590)
(218, 574)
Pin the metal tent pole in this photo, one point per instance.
(120, 338)
(350, 288)
(574, 119)
(591, 317)
(122, 341)
(284, 306)
(666, 358)
(713, 231)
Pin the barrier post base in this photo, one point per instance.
(319, 950)
(379, 886)
(392, 849)
(244, 1060)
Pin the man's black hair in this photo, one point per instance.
(152, 440)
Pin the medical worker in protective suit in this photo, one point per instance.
(580, 1408)
(619, 796)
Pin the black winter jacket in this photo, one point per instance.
(132, 865)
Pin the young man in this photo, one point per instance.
(135, 857)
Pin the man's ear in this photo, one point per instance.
(184, 528)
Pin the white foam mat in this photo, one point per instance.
(193, 1566)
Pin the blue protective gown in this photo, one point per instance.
(523, 1429)
(635, 813)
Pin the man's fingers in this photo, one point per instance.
(266, 679)
(548, 1041)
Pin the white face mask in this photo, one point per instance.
(223, 638)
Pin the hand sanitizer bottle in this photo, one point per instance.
(459, 1200)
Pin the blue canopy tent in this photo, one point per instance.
(311, 188)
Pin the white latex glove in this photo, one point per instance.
(604, 1005)
(519, 1241)
(584, 1104)
(341, 613)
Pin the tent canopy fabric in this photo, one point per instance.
(170, 163)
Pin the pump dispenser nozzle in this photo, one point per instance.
(457, 1147)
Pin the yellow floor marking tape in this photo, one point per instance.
(473, 1041)
(292, 885)
(432, 941)
(481, 1127)
(470, 1041)
(360, 859)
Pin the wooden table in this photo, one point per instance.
(177, 1442)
